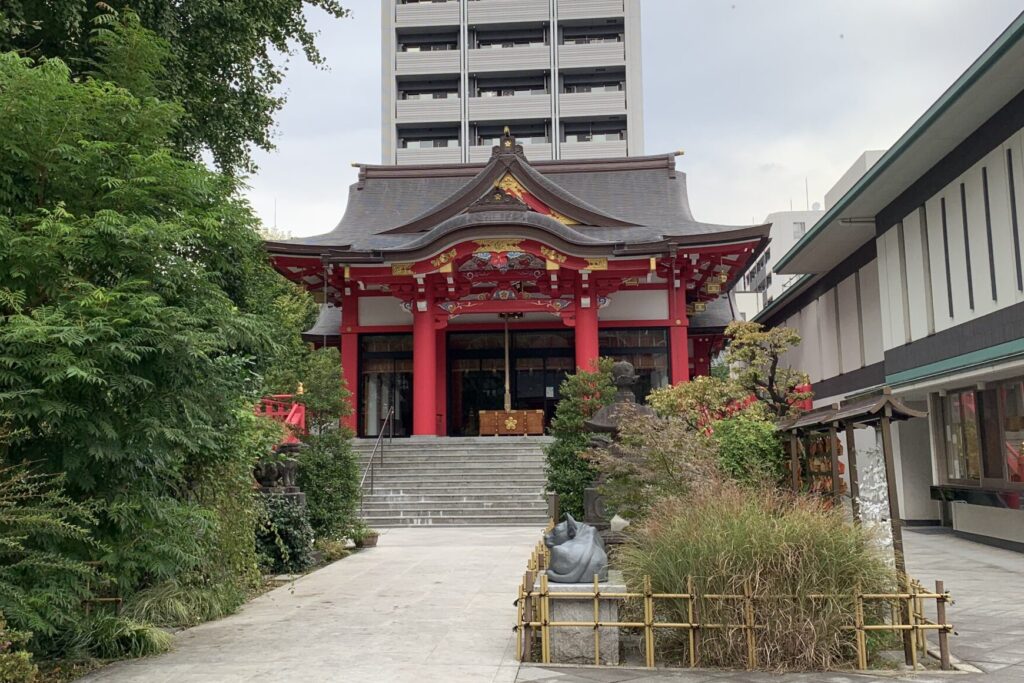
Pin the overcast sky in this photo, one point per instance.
(760, 94)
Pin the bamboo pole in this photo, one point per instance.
(851, 458)
(691, 615)
(862, 650)
(794, 462)
(545, 614)
(648, 623)
(940, 616)
(748, 611)
(833, 449)
(597, 622)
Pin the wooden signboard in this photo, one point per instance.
(511, 422)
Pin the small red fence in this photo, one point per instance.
(284, 409)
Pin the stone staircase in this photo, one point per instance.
(475, 481)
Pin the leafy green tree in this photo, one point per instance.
(749, 449)
(329, 476)
(224, 64)
(756, 355)
(581, 395)
(137, 317)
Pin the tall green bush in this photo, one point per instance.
(749, 449)
(284, 539)
(733, 539)
(329, 476)
(581, 395)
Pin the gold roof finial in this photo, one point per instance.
(507, 131)
(300, 390)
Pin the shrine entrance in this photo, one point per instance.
(538, 362)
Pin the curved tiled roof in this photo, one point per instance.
(629, 201)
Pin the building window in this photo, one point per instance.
(645, 348)
(963, 444)
(799, 228)
(1011, 399)
(984, 435)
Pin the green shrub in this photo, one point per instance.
(731, 539)
(110, 636)
(42, 583)
(749, 450)
(329, 476)
(16, 665)
(284, 539)
(654, 458)
(582, 395)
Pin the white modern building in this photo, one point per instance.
(761, 284)
(563, 75)
(913, 279)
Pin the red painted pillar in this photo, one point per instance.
(441, 383)
(702, 356)
(677, 336)
(424, 374)
(587, 351)
(350, 373)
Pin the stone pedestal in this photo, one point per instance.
(572, 645)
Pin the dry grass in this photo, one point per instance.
(774, 545)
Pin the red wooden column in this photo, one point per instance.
(441, 383)
(679, 347)
(424, 373)
(702, 356)
(587, 350)
(350, 358)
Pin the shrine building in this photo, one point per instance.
(459, 288)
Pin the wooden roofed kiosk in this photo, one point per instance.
(878, 411)
(575, 258)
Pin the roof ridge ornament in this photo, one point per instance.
(507, 145)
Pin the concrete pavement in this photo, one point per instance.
(426, 605)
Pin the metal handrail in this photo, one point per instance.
(387, 428)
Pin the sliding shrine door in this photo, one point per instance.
(385, 383)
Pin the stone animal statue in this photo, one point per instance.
(577, 553)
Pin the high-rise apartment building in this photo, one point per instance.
(563, 75)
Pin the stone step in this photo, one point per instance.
(485, 453)
(468, 496)
(437, 509)
(436, 489)
(479, 520)
(400, 471)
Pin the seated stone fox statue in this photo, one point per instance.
(577, 553)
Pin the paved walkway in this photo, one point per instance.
(425, 605)
(986, 584)
(436, 605)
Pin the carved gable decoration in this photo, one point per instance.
(498, 200)
(509, 185)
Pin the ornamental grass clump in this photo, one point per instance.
(779, 549)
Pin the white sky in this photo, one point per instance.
(761, 94)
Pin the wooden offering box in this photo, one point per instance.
(511, 422)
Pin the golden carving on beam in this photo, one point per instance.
(700, 307)
(500, 246)
(550, 265)
(511, 423)
(401, 269)
(597, 264)
(444, 259)
(712, 288)
(723, 277)
(509, 184)
(552, 255)
(631, 282)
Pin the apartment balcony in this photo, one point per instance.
(510, 107)
(427, 62)
(428, 14)
(428, 111)
(429, 155)
(503, 11)
(592, 103)
(592, 150)
(589, 9)
(533, 152)
(591, 54)
(492, 59)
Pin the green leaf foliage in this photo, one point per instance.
(223, 60)
(138, 317)
(568, 473)
(329, 476)
(285, 537)
(749, 449)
